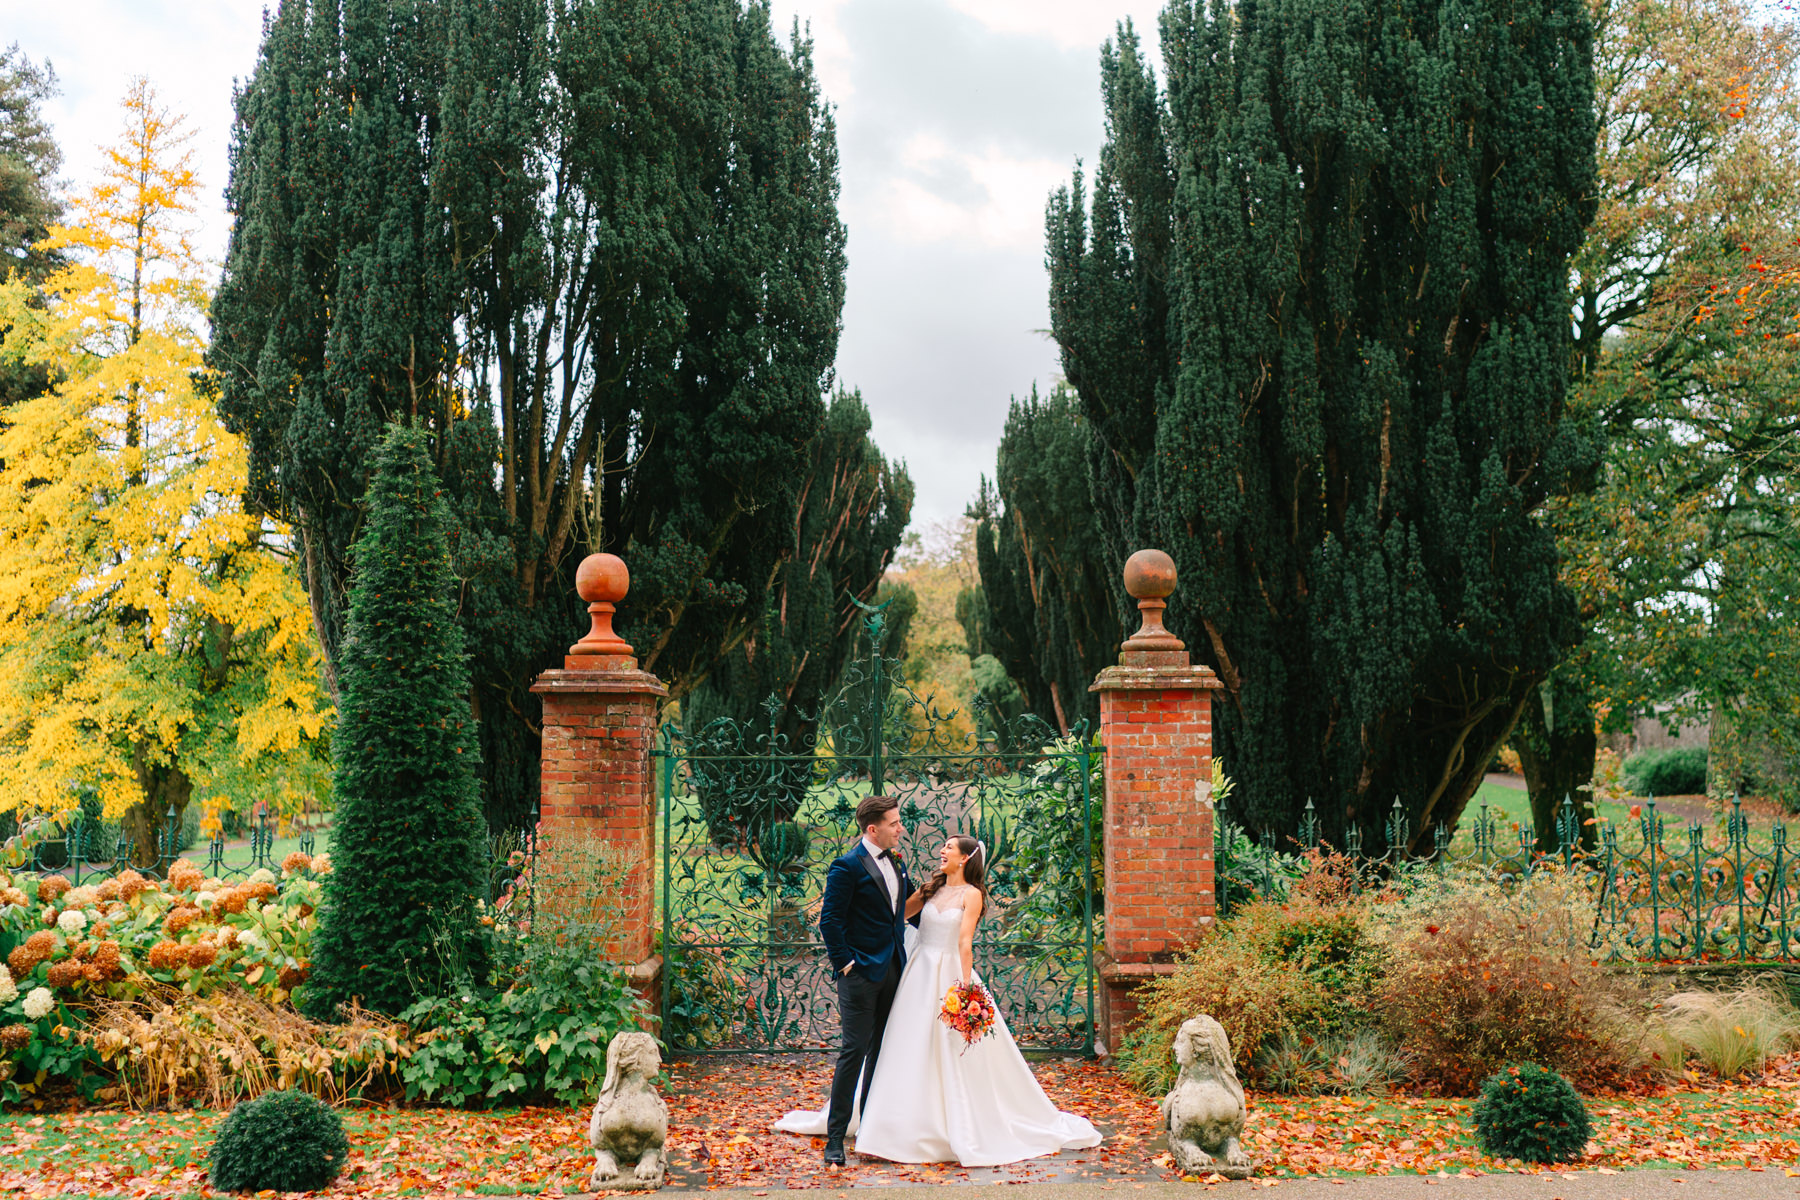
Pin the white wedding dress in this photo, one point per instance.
(932, 1101)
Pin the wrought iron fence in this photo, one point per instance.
(753, 814)
(88, 847)
(1661, 892)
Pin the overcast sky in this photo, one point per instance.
(956, 120)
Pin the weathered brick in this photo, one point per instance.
(596, 780)
(1159, 872)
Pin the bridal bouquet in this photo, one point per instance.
(969, 1010)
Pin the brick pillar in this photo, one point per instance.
(1156, 724)
(594, 765)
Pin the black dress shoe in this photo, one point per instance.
(834, 1152)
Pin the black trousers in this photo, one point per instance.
(863, 1008)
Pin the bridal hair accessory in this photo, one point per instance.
(981, 849)
(969, 1010)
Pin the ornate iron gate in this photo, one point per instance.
(754, 813)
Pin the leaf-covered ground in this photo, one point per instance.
(722, 1110)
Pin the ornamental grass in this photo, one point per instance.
(1732, 1032)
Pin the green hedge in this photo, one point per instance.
(1677, 771)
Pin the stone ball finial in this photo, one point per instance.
(1149, 575)
(1150, 578)
(602, 580)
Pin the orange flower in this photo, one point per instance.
(22, 961)
(64, 973)
(167, 955)
(51, 888)
(106, 958)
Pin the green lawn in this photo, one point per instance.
(238, 858)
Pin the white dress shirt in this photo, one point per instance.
(886, 867)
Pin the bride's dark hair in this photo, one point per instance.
(974, 870)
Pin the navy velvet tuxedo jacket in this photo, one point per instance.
(857, 922)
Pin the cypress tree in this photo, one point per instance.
(1359, 407)
(1047, 607)
(603, 235)
(853, 506)
(408, 844)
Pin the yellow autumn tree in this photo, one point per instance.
(154, 648)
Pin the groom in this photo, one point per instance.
(863, 923)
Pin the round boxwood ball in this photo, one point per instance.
(285, 1141)
(1531, 1113)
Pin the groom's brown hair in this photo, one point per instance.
(872, 809)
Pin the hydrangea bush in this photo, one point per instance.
(129, 936)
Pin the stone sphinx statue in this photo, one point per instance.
(1204, 1113)
(630, 1122)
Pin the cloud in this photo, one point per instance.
(957, 119)
(1077, 24)
(190, 50)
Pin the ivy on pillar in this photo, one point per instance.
(595, 772)
(1156, 724)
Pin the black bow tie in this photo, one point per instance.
(887, 854)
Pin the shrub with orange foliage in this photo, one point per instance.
(1479, 978)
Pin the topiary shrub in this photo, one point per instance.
(398, 916)
(1676, 771)
(282, 1141)
(1531, 1113)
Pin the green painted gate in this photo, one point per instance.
(753, 813)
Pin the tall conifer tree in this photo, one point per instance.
(601, 233)
(854, 506)
(408, 844)
(1049, 574)
(1359, 405)
(29, 161)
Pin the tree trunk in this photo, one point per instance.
(147, 823)
(1556, 744)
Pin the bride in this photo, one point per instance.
(930, 1099)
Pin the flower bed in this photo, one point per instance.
(72, 952)
(188, 991)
